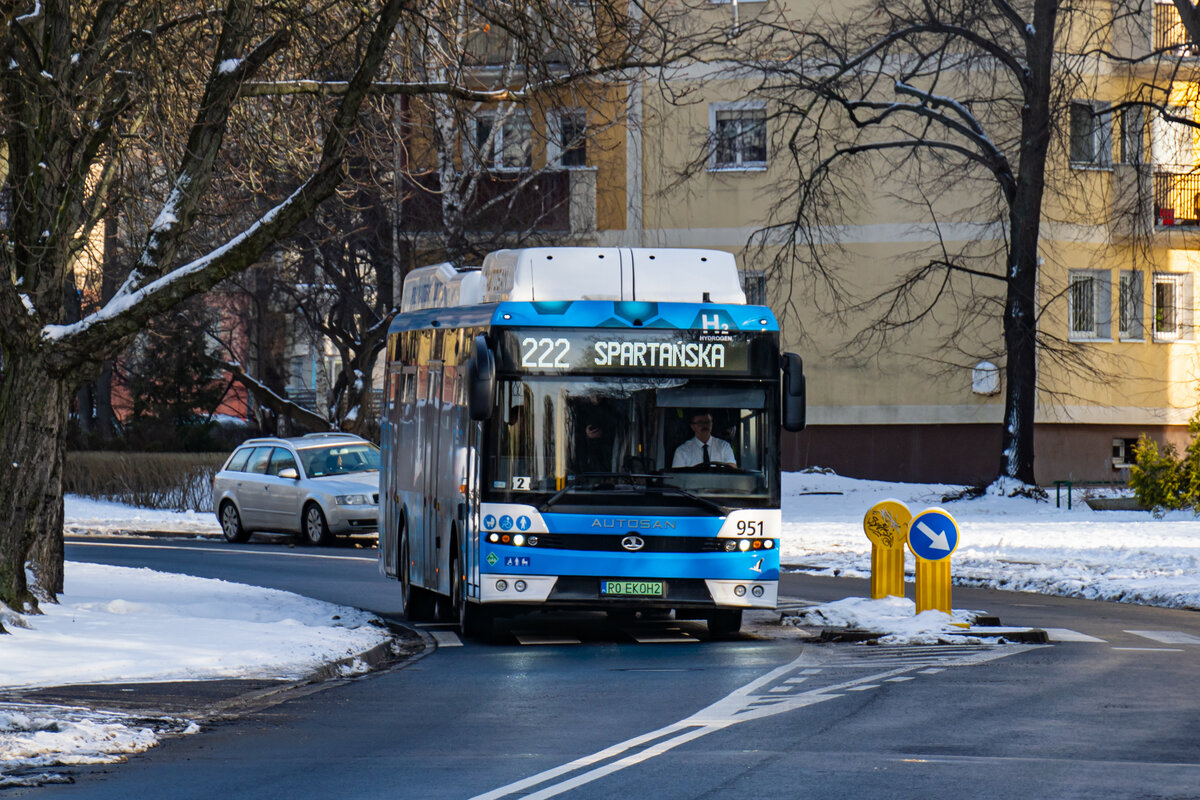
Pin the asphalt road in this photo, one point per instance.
(1103, 713)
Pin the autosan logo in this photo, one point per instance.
(633, 543)
(632, 524)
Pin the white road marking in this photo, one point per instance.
(1167, 637)
(746, 703)
(530, 638)
(446, 638)
(1068, 635)
(1152, 649)
(659, 636)
(222, 550)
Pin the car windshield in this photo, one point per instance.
(340, 459)
(707, 438)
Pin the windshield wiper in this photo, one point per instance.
(629, 487)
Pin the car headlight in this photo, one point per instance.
(353, 500)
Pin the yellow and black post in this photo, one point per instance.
(933, 537)
(886, 525)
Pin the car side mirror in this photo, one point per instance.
(290, 473)
(794, 390)
(481, 381)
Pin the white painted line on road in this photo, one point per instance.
(746, 703)
(525, 637)
(446, 638)
(1168, 637)
(222, 550)
(1068, 635)
(1152, 649)
(900, 679)
(659, 636)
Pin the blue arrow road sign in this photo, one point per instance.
(933, 534)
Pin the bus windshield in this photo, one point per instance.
(709, 438)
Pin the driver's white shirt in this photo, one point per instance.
(691, 452)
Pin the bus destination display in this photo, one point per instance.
(641, 351)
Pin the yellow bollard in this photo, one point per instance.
(933, 585)
(933, 537)
(886, 525)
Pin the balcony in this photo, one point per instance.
(1176, 199)
(1169, 34)
(553, 201)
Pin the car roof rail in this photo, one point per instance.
(330, 434)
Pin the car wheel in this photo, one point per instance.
(231, 524)
(316, 531)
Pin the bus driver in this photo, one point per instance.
(703, 449)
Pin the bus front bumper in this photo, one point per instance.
(585, 592)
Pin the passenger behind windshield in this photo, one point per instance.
(319, 462)
(596, 422)
(703, 449)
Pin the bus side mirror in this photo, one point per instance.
(481, 381)
(793, 392)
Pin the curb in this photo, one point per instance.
(1000, 634)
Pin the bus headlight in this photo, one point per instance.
(518, 540)
(739, 590)
(757, 591)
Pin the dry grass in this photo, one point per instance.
(175, 481)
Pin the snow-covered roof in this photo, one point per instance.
(611, 273)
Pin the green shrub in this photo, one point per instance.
(175, 481)
(1157, 477)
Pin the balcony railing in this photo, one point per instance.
(1169, 33)
(1176, 198)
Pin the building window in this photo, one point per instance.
(739, 135)
(1133, 135)
(510, 146)
(1122, 453)
(1129, 304)
(1088, 303)
(1172, 306)
(1091, 135)
(754, 284)
(568, 139)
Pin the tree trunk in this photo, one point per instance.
(33, 420)
(1020, 310)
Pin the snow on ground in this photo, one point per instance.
(121, 625)
(1011, 543)
(84, 516)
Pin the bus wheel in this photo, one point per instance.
(724, 622)
(474, 621)
(418, 603)
(316, 531)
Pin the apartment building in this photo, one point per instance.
(1119, 246)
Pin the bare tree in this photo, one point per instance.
(932, 98)
(77, 80)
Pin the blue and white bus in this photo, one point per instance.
(584, 428)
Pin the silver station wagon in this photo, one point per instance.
(319, 486)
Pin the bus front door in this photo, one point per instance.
(431, 489)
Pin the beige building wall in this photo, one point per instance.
(924, 408)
